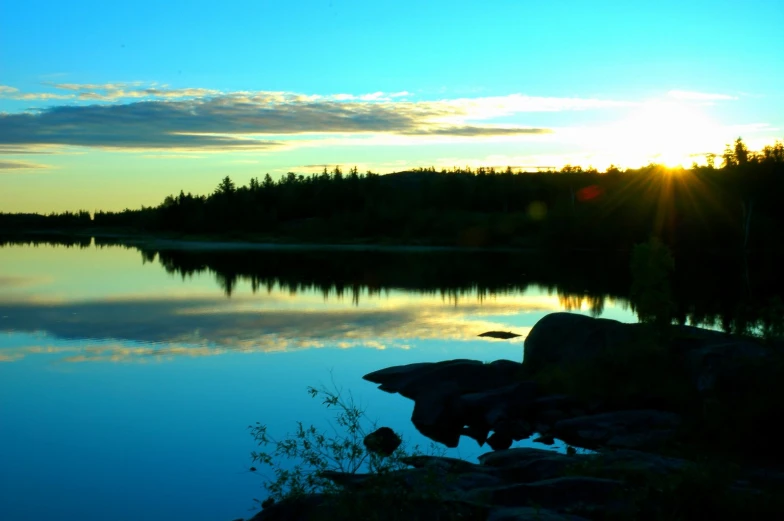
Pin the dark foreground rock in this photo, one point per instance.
(448, 404)
(515, 484)
(504, 401)
(450, 396)
(530, 514)
(563, 339)
(632, 474)
(303, 508)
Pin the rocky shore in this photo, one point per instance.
(665, 418)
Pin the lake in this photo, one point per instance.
(129, 375)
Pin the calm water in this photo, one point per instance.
(128, 378)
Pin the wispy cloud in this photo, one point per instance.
(174, 155)
(96, 86)
(496, 106)
(148, 93)
(43, 96)
(195, 118)
(20, 165)
(14, 93)
(229, 122)
(26, 150)
(686, 95)
(137, 90)
(106, 92)
(477, 131)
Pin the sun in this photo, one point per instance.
(664, 132)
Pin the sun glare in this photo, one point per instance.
(668, 133)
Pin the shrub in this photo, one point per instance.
(305, 462)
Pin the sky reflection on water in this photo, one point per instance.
(155, 427)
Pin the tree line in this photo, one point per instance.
(736, 204)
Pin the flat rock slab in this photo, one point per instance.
(643, 429)
(556, 493)
(503, 335)
(624, 461)
(448, 396)
(525, 465)
(530, 514)
(469, 376)
(505, 458)
(510, 485)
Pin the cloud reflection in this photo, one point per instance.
(148, 328)
(8, 282)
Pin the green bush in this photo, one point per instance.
(302, 462)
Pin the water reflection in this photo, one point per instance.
(240, 336)
(271, 301)
(275, 321)
(101, 292)
(126, 433)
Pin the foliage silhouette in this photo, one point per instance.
(312, 461)
(703, 207)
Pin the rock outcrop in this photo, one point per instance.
(505, 401)
(709, 357)
(515, 484)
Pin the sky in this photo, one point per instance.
(113, 105)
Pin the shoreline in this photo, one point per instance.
(270, 244)
(207, 243)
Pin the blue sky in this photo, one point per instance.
(113, 105)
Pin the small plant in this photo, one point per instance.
(313, 461)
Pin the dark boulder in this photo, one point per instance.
(567, 338)
(383, 441)
(709, 358)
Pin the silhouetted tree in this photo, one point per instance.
(705, 207)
